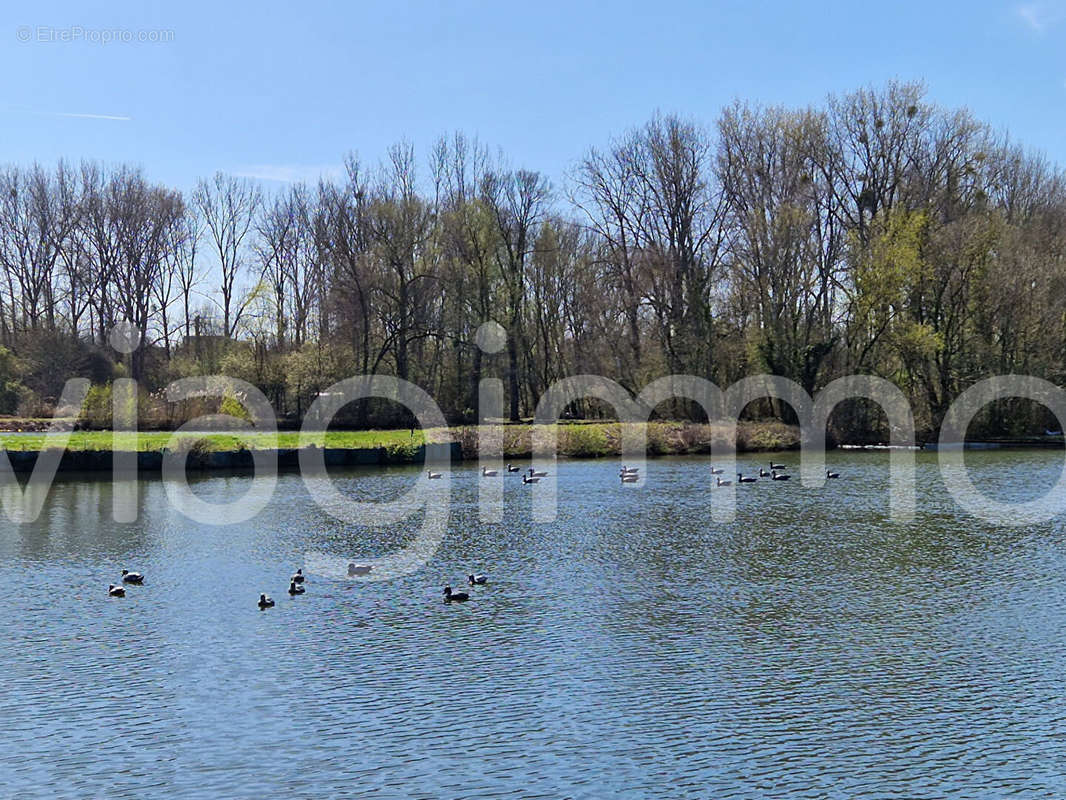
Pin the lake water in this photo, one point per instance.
(633, 648)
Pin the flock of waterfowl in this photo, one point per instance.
(528, 476)
(355, 570)
(630, 474)
(626, 474)
(775, 473)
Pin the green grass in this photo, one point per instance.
(580, 440)
(157, 440)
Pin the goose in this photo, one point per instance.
(742, 479)
(763, 473)
(265, 602)
(449, 595)
(527, 479)
(358, 569)
(630, 478)
(298, 577)
(776, 477)
(724, 483)
(717, 471)
(512, 468)
(776, 466)
(115, 591)
(829, 474)
(488, 473)
(435, 475)
(480, 580)
(132, 577)
(295, 588)
(535, 474)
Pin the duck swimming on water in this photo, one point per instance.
(295, 588)
(115, 591)
(132, 577)
(459, 597)
(265, 602)
(355, 570)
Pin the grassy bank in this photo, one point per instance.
(576, 440)
(148, 441)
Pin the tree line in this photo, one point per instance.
(878, 233)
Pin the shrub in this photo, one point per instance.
(658, 439)
(96, 411)
(583, 441)
(401, 451)
(231, 406)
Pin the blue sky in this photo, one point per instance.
(284, 90)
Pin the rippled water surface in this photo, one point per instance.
(634, 647)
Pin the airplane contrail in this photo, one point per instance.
(86, 116)
(115, 117)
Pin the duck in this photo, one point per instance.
(459, 597)
(512, 468)
(358, 569)
(829, 474)
(115, 591)
(132, 577)
(629, 477)
(742, 479)
(295, 588)
(434, 475)
(763, 473)
(630, 470)
(265, 602)
(774, 476)
(479, 580)
(724, 483)
(535, 474)
(488, 473)
(527, 479)
(776, 466)
(298, 577)
(717, 471)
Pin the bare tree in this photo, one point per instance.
(228, 205)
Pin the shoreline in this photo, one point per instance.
(88, 451)
(93, 451)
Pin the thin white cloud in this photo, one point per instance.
(1041, 15)
(113, 117)
(89, 116)
(290, 173)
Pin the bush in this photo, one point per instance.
(11, 388)
(231, 406)
(96, 411)
(583, 441)
(658, 439)
(402, 451)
